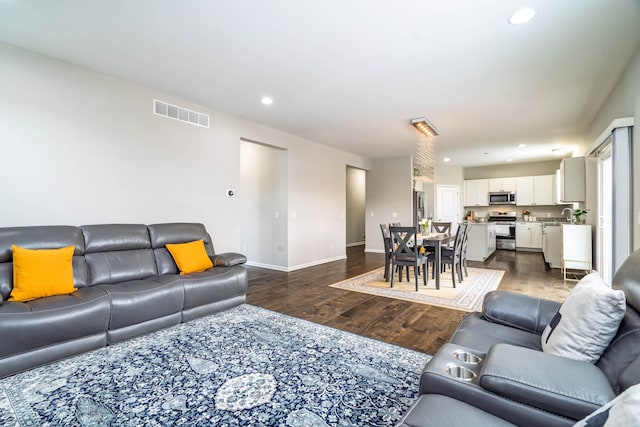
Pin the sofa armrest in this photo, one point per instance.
(552, 383)
(228, 259)
(519, 311)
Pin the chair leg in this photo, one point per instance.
(386, 270)
(425, 273)
(393, 274)
(453, 274)
(415, 274)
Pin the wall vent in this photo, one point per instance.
(171, 111)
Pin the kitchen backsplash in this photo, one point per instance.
(542, 213)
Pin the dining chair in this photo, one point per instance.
(386, 238)
(442, 227)
(465, 242)
(452, 256)
(406, 253)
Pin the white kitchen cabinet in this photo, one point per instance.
(543, 189)
(552, 245)
(572, 185)
(536, 235)
(502, 185)
(535, 190)
(576, 248)
(523, 235)
(529, 235)
(482, 241)
(524, 191)
(476, 192)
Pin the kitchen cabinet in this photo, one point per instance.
(529, 235)
(476, 192)
(482, 241)
(576, 248)
(552, 245)
(535, 190)
(572, 185)
(502, 185)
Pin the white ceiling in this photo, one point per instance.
(352, 73)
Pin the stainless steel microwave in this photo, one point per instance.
(502, 198)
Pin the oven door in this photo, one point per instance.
(506, 236)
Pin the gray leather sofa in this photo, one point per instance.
(127, 285)
(493, 371)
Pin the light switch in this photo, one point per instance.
(276, 214)
(371, 214)
(294, 215)
(395, 214)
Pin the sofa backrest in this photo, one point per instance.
(117, 253)
(175, 232)
(40, 237)
(621, 361)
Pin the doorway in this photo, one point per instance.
(355, 207)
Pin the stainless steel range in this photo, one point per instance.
(505, 229)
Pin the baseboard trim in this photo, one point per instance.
(375, 251)
(296, 267)
(350, 245)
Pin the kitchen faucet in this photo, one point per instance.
(570, 212)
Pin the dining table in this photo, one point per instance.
(436, 240)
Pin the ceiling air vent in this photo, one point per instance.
(171, 111)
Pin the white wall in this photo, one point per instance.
(624, 101)
(80, 147)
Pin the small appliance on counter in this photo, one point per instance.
(505, 229)
(470, 216)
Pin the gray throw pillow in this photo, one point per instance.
(623, 411)
(586, 322)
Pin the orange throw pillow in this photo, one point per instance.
(41, 273)
(190, 257)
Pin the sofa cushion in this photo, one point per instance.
(41, 273)
(176, 232)
(137, 301)
(213, 285)
(51, 320)
(40, 237)
(434, 410)
(622, 411)
(586, 322)
(479, 334)
(190, 257)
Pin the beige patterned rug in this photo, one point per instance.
(467, 296)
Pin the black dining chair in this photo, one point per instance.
(452, 256)
(463, 254)
(406, 253)
(386, 238)
(441, 227)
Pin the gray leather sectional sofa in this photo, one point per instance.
(493, 371)
(127, 285)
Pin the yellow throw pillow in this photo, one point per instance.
(41, 273)
(190, 257)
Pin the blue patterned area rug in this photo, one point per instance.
(247, 366)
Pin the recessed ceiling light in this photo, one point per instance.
(522, 145)
(266, 100)
(509, 160)
(446, 159)
(522, 16)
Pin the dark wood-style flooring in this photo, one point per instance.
(306, 294)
